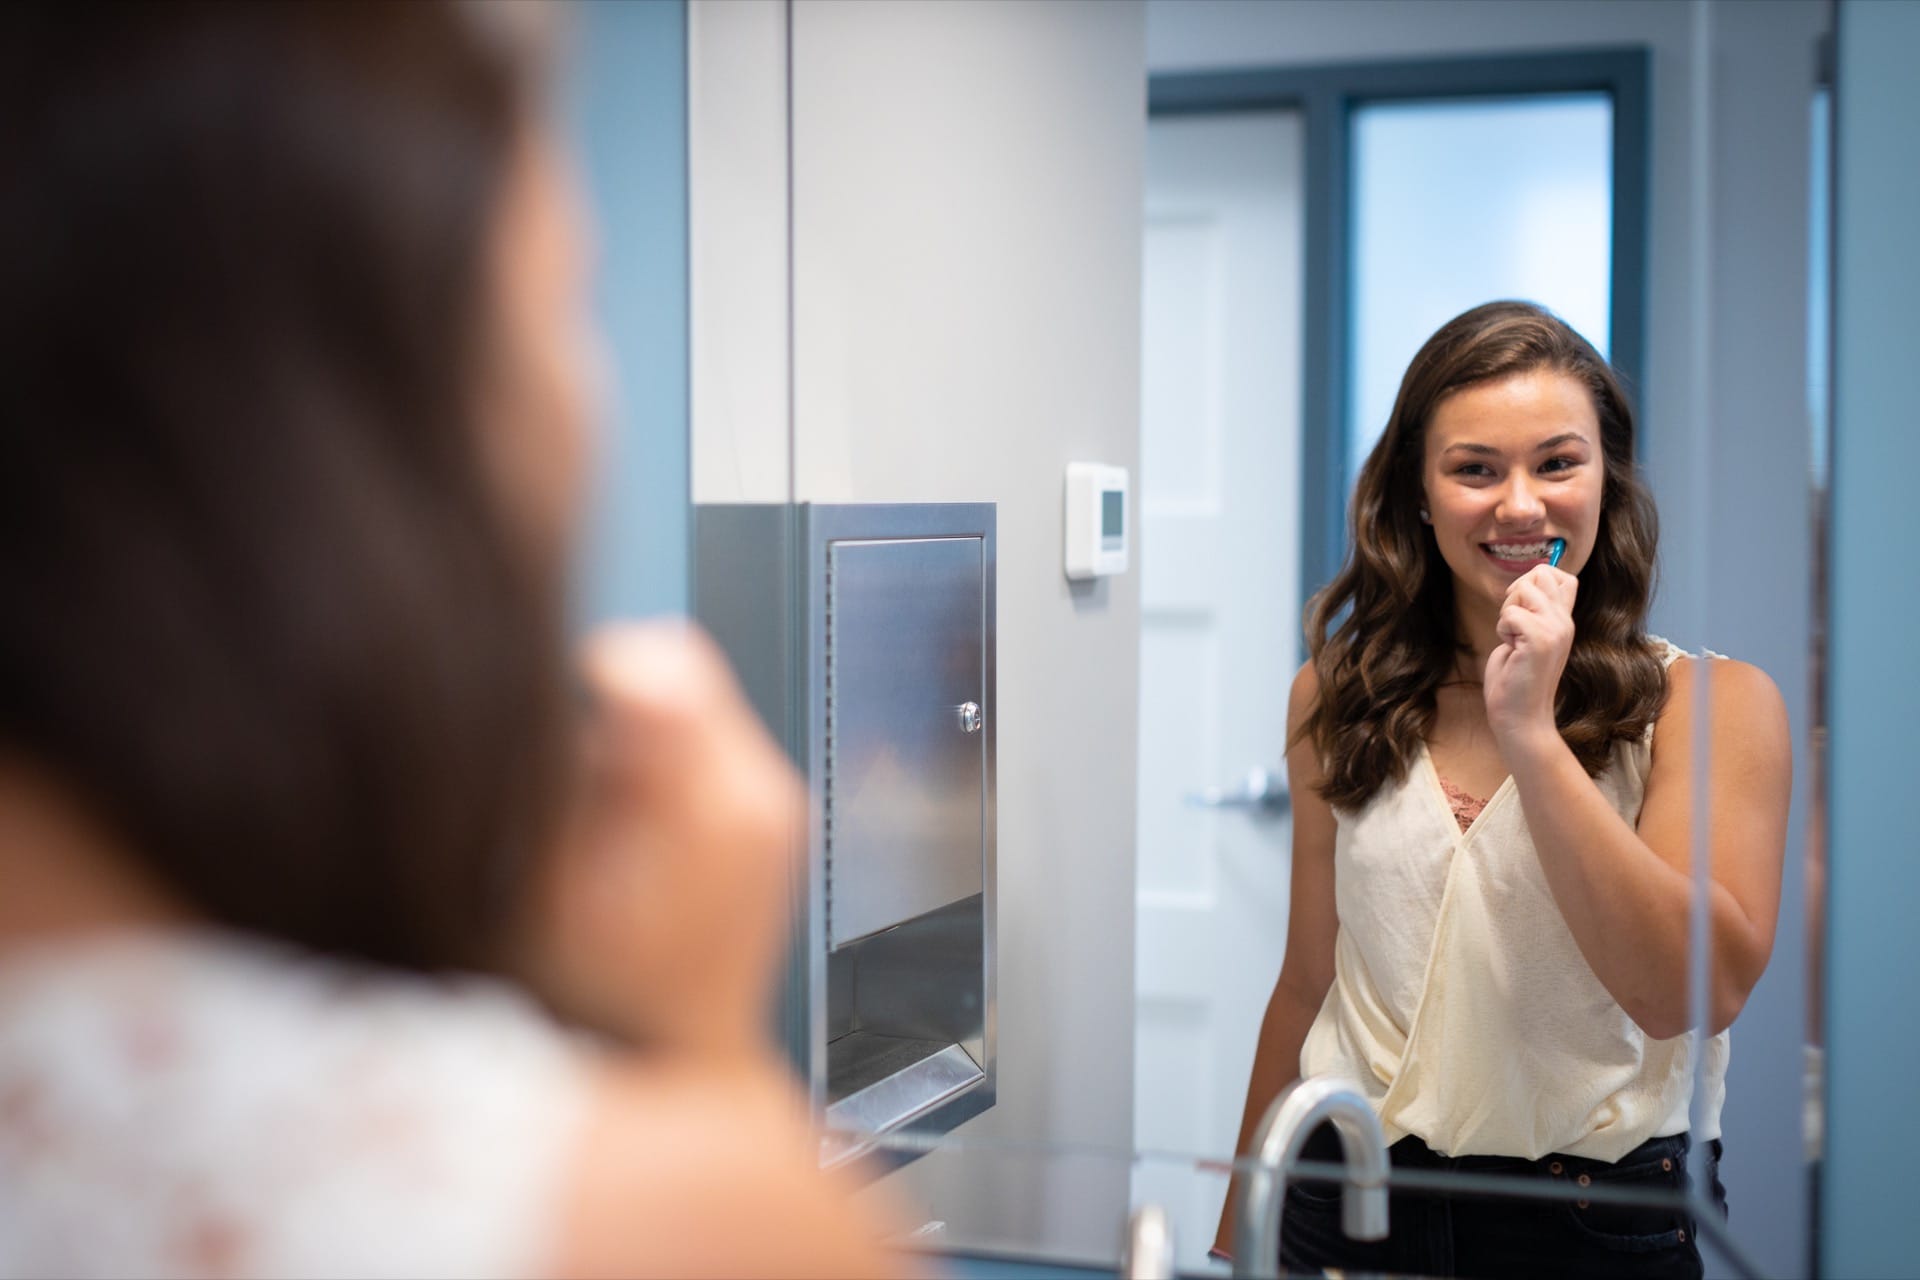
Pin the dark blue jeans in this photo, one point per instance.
(1491, 1237)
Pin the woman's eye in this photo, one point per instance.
(1559, 464)
(1473, 469)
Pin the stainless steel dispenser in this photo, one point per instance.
(865, 636)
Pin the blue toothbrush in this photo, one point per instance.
(1554, 552)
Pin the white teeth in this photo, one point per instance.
(1518, 550)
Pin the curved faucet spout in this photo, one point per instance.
(1301, 1108)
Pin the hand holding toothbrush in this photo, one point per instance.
(1535, 631)
(663, 918)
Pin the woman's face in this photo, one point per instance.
(544, 380)
(1508, 466)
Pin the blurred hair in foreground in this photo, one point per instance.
(267, 612)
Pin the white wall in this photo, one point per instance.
(966, 299)
(967, 232)
(1722, 408)
(737, 215)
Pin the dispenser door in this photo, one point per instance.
(905, 704)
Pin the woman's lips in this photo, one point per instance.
(1518, 557)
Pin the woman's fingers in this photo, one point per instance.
(1564, 586)
(656, 688)
(673, 727)
(1539, 605)
(1544, 587)
(667, 910)
(1535, 630)
(1513, 623)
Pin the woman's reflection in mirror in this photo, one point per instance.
(1492, 765)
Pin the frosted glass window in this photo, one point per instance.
(1460, 201)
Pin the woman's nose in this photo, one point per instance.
(1519, 503)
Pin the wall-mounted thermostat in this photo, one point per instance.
(1097, 520)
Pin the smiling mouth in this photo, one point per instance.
(1518, 552)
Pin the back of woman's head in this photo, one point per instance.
(1383, 634)
(266, 613)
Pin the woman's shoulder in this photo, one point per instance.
(284, 1010)
(1303, 694)
(1306, 680)
(245, 1107)
(1302, 697)
(1683, 666)
(1742, 700)
(679, 1157)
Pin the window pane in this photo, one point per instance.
(1460, 201)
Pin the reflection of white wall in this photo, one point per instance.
(737, 206)
(1723, 395)
(966, 321)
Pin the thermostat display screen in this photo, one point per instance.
(1110, 512)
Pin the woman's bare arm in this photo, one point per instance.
(1307, 969)
(662, 922)
(706, 1169)
(1626, 892)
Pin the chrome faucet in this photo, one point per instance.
(1149, 1249)
(1302, 1107)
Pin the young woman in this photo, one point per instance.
(304, 836)
(1493, 780)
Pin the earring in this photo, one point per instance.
(1425, 518)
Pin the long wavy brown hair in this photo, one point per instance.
(1382, 634)
(268, 612)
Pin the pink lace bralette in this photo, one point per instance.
(1465, 807)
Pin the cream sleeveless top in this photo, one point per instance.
(1461, 1004)
(206, 1104)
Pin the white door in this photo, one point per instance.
(1220, 633)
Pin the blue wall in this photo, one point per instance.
(628, 99)
(1871, 1221)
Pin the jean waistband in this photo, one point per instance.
(1323, 1145)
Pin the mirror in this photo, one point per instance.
(1584, 149)
(945, 203)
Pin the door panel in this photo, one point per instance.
(1219, 539)
(905, 766)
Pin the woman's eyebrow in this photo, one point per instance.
(1488, 451)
